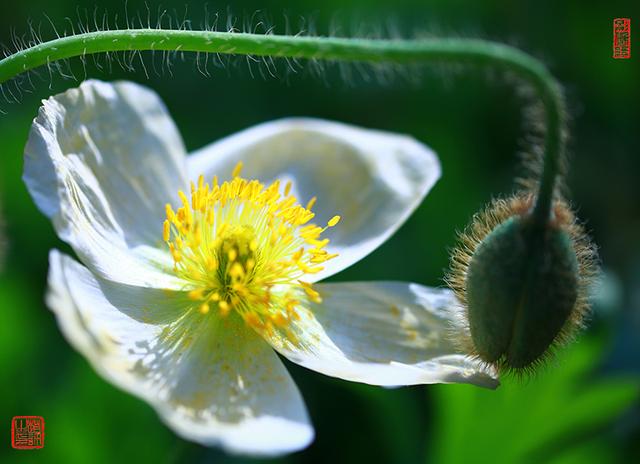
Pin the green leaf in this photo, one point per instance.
(557, 416)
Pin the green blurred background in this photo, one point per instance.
(582, 407)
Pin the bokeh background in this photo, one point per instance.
(582, 407)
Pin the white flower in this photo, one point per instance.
(180, 299)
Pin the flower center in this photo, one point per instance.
(247, 247)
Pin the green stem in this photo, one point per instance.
(325, 48)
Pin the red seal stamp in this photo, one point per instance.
(622, 38)
(27, 432)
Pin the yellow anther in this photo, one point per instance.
(319, 243)
(310, 232)
(333, 221)
(308, 269)
(318, 251)
(236, 271)
(166, 230)
(297, 255)
(180, 216)
(237, 170)
(197, 294)
(311, 203)
(171, 216)
(280, 319)
(286, 203)
(306, 218)
(204, 198)
(186, 208)
(268, 328)
(224, 307)
(194, 197)
(253, 320)
(291, 305)
(287, 188)
(321, 256)
(183, 199)
(232, 254)
(313, 294)
(204, 308)
(175, 254)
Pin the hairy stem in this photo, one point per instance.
(325, 48)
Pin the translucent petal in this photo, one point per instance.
(101, 161)
(211, 379)
(382, 333)
(373, 179)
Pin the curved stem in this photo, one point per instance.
(325, 48)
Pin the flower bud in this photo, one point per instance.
(523, 284)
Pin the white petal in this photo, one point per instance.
(382, 333)
(101, 161)
(212, 380)
(373, 179)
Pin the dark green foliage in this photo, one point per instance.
(474, 123)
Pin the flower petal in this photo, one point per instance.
(101, 161)
(373, 179)
(381, 333)
(212, 380)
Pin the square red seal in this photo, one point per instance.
(27, 432)
(622, 38)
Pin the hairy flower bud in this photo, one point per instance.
(523, 284)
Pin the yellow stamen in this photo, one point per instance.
(196, 294)
(253, 320)
(333, 221)
(224, 308)
(280, 320)
(246, 247)
(166, 230)
(171, 216)
(237, 170)
(311, 203)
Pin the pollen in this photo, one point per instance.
(247, 247)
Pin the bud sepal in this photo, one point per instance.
(524, 285)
